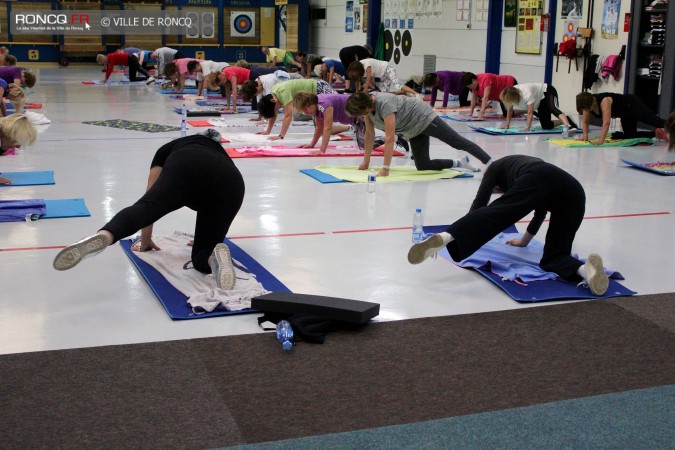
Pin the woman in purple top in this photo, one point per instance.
(327, 109)
(448, 82)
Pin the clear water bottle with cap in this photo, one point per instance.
(372, 179)
(285, 335)
(418, 226)
(183, 121)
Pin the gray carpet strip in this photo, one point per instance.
(244, 389)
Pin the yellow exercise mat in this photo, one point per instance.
(574, 143)
(401, 173)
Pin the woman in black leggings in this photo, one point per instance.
(628, 108)
(527, 184)
(193, 171)
(538, 99)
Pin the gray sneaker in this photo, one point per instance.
(426, 248)
(70, 256)
(222, 268)
(595, 275)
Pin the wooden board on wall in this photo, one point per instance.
(143, 41)
(292, 27)
(267, 27)
(82, 45)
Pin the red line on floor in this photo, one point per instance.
(315, 233)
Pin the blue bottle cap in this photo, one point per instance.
(287, 345)
(418, 210)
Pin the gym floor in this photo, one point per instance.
(325, 239)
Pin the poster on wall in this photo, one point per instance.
(349, 19)
(357, 19)
(571, 9)
(510, 13)
(610, 19)
(242, 24)
(349, 25)
(365, 18)
(528, 34)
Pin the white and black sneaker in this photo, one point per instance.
(423, 250)
(150, 80)
(222, 268)
(71, 256)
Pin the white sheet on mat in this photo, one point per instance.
(174, 262)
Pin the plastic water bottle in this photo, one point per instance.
(372, 179)
(183, 122)
(566, 131)
(285, 335)
(418, 226)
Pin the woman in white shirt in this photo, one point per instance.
(538, 99)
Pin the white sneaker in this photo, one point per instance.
(222, 268)
(150, 80)
(466, 164)
(425, 249)
(595, 275)
(70, 256)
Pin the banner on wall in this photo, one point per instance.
(242, 24)
(349, 19)
(610, 19)
(528, 31)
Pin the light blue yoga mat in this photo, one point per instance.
(494, 131)
(322, 177)
(28, 178)
(70, 207)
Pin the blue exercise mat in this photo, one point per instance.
(665, 168)
(70, 207)
(544, 290)
(175, 303)
(29, 178)
(17, 210)
(515, 131)
(322, 177)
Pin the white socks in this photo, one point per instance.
(447, 237)
(465, 163)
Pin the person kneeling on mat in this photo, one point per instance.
(527, 184)
(192, 171)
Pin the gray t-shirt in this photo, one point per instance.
(413, 115)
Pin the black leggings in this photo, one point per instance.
(201, 179)
(634, 112)
(419, 145)
(543, 187)
(549, 106)
(134, 67)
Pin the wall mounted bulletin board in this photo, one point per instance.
(528, 31)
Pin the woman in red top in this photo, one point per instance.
(486, 86)
(111, 60)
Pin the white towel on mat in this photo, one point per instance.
(174, 262)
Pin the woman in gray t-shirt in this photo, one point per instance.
(417, 121)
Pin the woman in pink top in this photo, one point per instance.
(177, 71)
(486, 86)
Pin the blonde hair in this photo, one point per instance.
(16, 96)
(211, 82)
(101, 58)
(510, 96)
(304, 99)
(18, 128)
(243, 63)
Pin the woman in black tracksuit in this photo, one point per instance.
(193, 171)
(528, 184)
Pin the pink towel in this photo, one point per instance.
(612, 66)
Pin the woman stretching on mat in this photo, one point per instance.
(329, 111)
(417, 121)
(15, 131)
(193, 171)
(527, 184)
(449, 83)
(628, 108)
(281, 95)
(529, 97)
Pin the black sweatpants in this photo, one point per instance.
(544, 186)
(549, 106)
(419, 145)
(135, 67)
(636, 111)
(200, 178)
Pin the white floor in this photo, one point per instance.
(290, 223)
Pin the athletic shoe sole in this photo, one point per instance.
(598, 281)
(224, 276)
(423, 250)
(70, 256)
